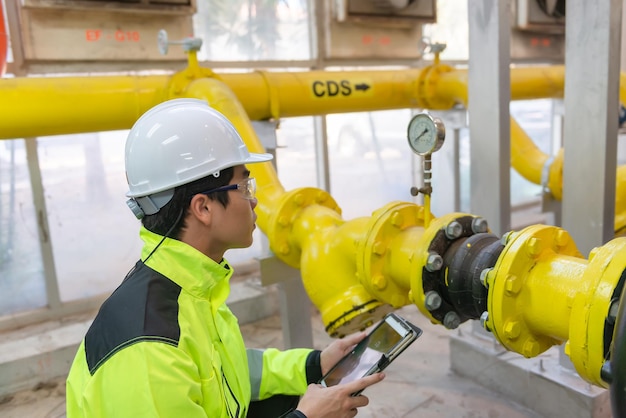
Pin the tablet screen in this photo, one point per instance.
(365, 355)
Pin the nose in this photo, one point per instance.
(254, 202)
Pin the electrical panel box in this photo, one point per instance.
(96, 31)
(372, 29)
(546, 16)
(538, 31)
(394, 13)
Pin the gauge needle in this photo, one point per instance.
(422, 134)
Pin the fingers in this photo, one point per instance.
(360, 384)
(353, 339)
(360, 401)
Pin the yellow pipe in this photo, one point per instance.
(64, 105)
(329, 273)
(542, 292)
(385, 252)
(33, 107)
(110, 103)
(220, 97)
(551, 285)
(286, 94)
(402, 251)
(302, 231)
(365, 263)
(526, 83)
(620, 201)
(537, 267)
(527, 159)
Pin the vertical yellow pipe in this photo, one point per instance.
(220, 97)
(426, 210)
(620, 201)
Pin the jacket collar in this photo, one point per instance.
(187, 267)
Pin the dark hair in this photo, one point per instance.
(172, 215)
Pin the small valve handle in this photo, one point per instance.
(432, 47)
(189, 43)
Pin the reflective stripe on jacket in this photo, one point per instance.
(165, 344)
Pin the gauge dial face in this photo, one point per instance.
(425, 133)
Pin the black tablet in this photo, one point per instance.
(375, 352)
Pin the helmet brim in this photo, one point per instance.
(258, 158)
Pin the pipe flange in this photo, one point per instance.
(590, 339)
(384, 225)
(507, 291)
(425, 277)
(427, 88)
(281, 221)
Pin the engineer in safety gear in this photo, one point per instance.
(165, 344)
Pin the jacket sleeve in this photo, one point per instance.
(146, 379)
(295, 414)
(289, 372)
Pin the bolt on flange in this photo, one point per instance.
(434, 262)
(453, 230)
(451, 320)
(479, 225)
(432, 300)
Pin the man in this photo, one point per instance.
(165, 343)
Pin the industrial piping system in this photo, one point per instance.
(115, 102)
(531, 288)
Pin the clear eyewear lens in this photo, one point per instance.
(248, 188)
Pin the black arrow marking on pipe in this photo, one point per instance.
(362, 86)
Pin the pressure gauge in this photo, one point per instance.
(426, 134)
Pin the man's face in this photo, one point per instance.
(234, 224)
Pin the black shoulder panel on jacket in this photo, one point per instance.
(143, 308)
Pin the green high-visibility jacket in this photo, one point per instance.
(165, 344)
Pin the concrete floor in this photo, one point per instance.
(418, 384)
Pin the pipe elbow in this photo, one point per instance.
(329, 273)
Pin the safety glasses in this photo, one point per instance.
(247, 188)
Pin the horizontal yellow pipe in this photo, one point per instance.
(268, 95)
(527, 83)
(552, 284)
(64, 105)
(542, 292)
(31, 107)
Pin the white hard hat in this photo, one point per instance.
(175, 143)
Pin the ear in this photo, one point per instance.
(201, 208)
